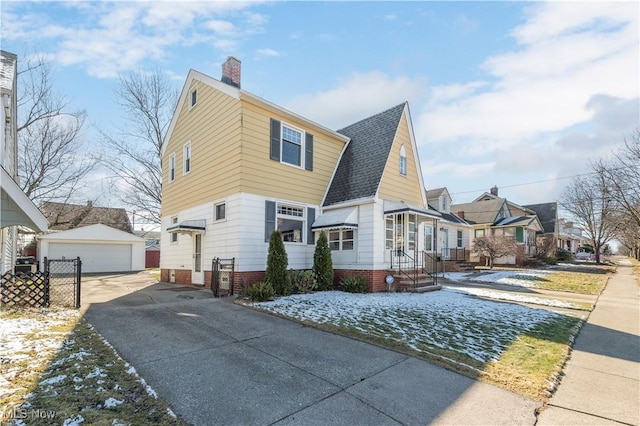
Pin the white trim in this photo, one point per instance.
(172, 167)
(215, 211)
(303, 145)
(184, 158)
(27, 212)
(190, 98)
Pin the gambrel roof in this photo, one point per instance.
(362, 164)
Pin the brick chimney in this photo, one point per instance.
(494, 190)
(460, 215)
(231, 72)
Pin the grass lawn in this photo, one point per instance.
(574, 282)
(56, 369)
(518, 348)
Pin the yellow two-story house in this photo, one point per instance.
(237, 167)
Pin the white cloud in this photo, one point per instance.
(357, 97)
(268, 52)
(568, 54)
(111, 37)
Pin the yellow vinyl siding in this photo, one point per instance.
(213, 126)
(395, 186)
(230, 142)
(263, 176)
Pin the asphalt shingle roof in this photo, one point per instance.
(548, 215)
(479, 211)
(62, 216)
(360, 169)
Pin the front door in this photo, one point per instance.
(444, 232)
(197, 274)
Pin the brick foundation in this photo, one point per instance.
(375, 279)
(242, 280)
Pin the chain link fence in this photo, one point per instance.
(64, 281)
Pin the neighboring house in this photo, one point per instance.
(62, 216)
(491, 215)
(16, 209)
(570, 237)
(453, 232)
(548, 239)
(237, 167)
(152, 247)
(101, 248)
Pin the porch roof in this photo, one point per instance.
(189, 226)
(339, 219)
(391, 207)
(17, 208)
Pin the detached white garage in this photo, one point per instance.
(99, 247)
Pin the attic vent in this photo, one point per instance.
(231, 72)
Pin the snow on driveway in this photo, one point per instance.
(477, 328)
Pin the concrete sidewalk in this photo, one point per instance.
(601, 383)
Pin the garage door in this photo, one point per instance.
(95, 257)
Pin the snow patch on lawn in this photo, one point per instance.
(508, 297)
(477, 328)
(516, 278)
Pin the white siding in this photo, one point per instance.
(240, 235)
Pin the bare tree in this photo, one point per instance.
(147, 101)
(622, 176)
(494, 247)
(588, 200)
(53, 164)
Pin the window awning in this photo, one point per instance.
(197, 226)
(338, 219)
(17, 208)
(394, 207)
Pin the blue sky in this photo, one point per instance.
(513, 94)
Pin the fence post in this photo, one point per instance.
(78, 278)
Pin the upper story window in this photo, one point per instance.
(193, 98)
(291, 145)
(443, 204)
(172, 168)
(403, 161)
(186, 158)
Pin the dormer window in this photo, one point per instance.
(403, 161)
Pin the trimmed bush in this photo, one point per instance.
(302, 281)
(322, 264)
(277, 262)
(353, 284)
(564, 255)
(260, 292)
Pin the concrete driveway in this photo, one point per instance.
(216, 362)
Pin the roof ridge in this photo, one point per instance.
(386, 111)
